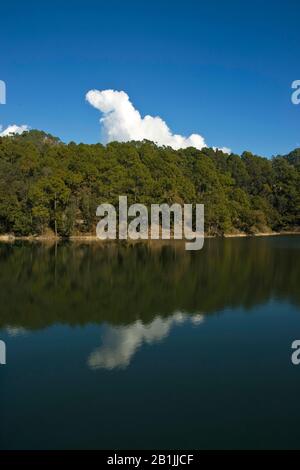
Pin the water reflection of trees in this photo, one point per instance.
(78, 284)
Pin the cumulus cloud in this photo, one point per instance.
(122, 122)
(223, 149)
(13, 129)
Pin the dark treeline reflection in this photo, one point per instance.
(83, 283)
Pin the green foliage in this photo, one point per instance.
(47, 185)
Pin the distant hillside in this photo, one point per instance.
(36, 137)
(46, 185)
(294, 158)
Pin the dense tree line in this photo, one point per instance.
(46, 185)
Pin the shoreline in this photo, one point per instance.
(9, 238)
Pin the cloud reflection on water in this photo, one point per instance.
(119, 344)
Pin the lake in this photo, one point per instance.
(150, 346)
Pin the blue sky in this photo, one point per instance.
(222, 69)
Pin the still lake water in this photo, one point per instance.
(135, 347)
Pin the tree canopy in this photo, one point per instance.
(48, 185)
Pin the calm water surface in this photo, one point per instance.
(136, 347)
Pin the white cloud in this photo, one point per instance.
(223, 149)
(122, 122)
(13, 129)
